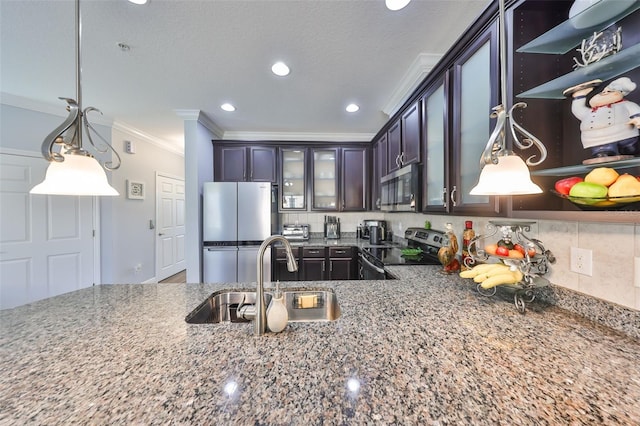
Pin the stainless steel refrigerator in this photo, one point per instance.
(237, 217)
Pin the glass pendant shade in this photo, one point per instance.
(509, 177)
(76, 175)
(396, 4)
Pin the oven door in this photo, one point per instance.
(369, 271)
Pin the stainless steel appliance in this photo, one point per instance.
(331, 227)
(366, 229)
(372, 260)
(400, 190)
(236, 218)
(295, 232)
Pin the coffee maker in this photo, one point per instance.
(381, 224)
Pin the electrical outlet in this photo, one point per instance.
(636, 275)
(138, 267)
(581, 261)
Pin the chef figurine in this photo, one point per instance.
(609, 125)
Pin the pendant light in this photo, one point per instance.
(503, 172)
(72, 169)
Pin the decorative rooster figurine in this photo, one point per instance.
(447, 254)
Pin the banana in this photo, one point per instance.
(497, 271)
(511, 277)
(480, 269)
(469, 273)
(480, 278)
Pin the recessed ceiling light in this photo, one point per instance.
(228, 107)
(138, 1)
(352, 108)
(396, 4)
(280, 68)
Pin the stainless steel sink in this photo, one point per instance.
(303, 305)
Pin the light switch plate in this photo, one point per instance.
(581, 261)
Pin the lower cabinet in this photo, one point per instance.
(342, 264)
(279, 269)
(316, 264)
(313, 264)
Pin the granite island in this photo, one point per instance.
(422, 349)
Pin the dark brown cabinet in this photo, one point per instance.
(404, 138)
(342, 264)
(354, 179)
(339, 178)
(245, 163)
(279, 262)
(457, 126)
(394, 146)
(313, 264)
(379, 170)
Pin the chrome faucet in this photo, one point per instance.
(258, 312)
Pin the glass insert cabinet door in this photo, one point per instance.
(293, 183)
(325, 182)
(475, 107)
(435, 186)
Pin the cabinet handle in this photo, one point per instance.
(402, 158)
(322, 266)
(453, 195)
(444, 197)
(398, 160)
(330, 266)
(314, 251)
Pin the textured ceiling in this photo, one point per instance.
(196, 55)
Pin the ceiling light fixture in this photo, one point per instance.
(72, 169)
(138, 1)
(228, 107)
(396, 4)
(503, 172)
(352, 108)
(280, 69)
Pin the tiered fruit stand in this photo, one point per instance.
(532, 266)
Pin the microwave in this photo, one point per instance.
(400, 190)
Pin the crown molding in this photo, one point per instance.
(202, 118)
(416, 73)
(139, 134)
(307, 137)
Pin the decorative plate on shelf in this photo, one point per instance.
(599, 203)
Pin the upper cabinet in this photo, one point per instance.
(293, 183)
(380, 169)
(325, 179)
(457, 126)
(339, 178)
(244, 163)
(403, 139)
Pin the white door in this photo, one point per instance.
(170, 213)
(46, 242)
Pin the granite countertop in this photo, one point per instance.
(423, 349)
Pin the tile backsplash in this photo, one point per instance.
(615, 248)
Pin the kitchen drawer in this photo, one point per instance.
(308, 252)
(281, 252)
(336, 252)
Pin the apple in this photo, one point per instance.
(563, 186)
(502, 251)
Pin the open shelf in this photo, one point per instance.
(609, 67)
(585, 168)
(570, 33)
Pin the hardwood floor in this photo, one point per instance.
(180, 277)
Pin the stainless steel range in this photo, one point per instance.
(421, 249)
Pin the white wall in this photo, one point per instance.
(131, 241)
